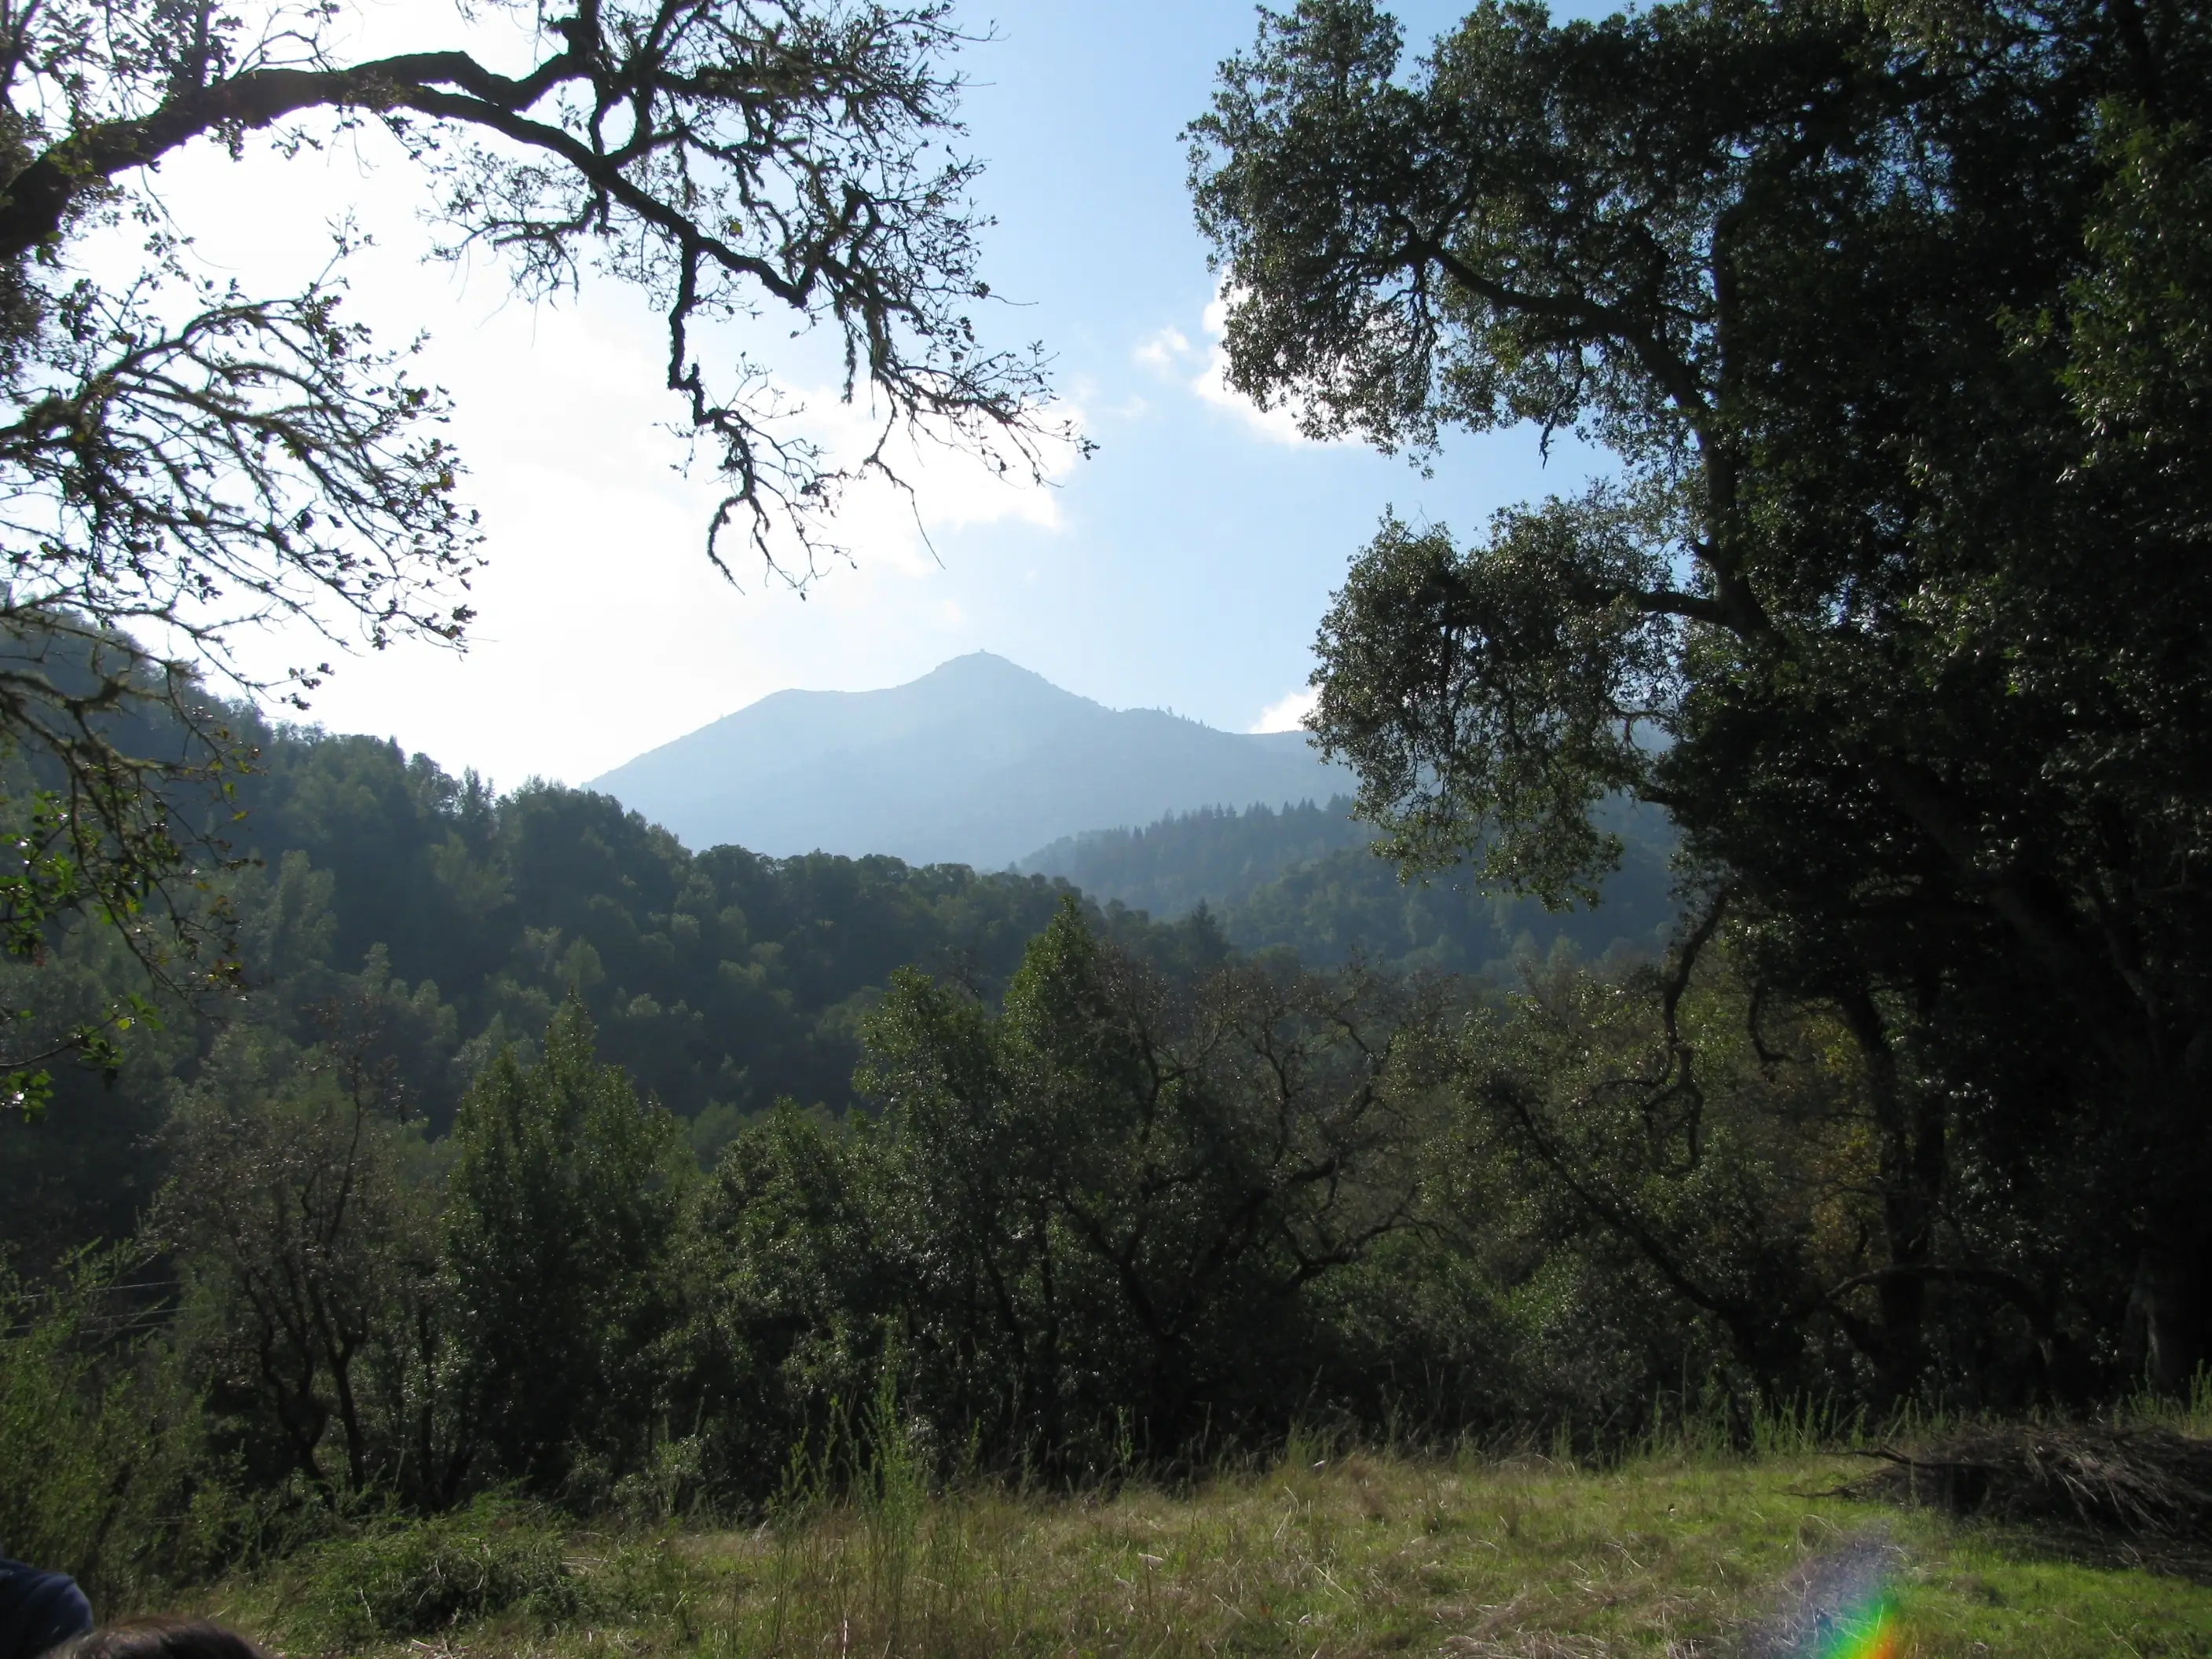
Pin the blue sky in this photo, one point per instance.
(1184, 566)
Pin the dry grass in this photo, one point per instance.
(2126, 1480)
(1313, 1559)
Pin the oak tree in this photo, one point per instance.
(1891, 318)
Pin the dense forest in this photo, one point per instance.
(1306, 878)
(1215, 857)
(731, 1139)
(455, 921)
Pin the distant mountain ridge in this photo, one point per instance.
(1306, 877)
(1216, 855)
(979, 761)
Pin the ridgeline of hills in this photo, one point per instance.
(1214, 856)
(984, 763)
(978, 763)
(1305, 879)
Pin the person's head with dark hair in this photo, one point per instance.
(38, 1610)
(162, 1639)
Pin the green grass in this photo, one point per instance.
(1355, 1555)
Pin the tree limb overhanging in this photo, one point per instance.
(182, 459)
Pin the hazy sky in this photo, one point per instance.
(1185, 566)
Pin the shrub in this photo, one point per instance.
(406, 1579)
(99, 1444)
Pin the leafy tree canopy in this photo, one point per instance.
(1893, 318)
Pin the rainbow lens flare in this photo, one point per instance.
(1840, 1605)
(1867, 1631)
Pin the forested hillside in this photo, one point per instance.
(1306, 878)
(1216, 855)
(450, 919)
(444, 921)
(1353, 904)
(436, 921)
(718, 976)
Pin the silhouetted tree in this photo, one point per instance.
(1898, 603)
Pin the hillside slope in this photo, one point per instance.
(979, 761)
(1351, 904)
(1215, 855)
(1303, 878)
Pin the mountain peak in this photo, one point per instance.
(981, 663)
(985, 675)
(978, 761)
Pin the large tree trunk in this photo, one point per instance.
(2169, 1326)
(2168, 1318)
(1914, 1167)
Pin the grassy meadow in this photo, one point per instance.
(1313, 1556)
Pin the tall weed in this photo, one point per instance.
(2191, 1415)
(867, 1559)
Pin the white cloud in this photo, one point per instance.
(1280, 423)
(1170, 354)
(947, 485)
(1164, 350)
(1288, 714)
